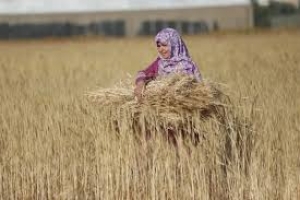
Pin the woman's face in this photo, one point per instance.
(163, 49)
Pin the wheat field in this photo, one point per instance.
(54, 143)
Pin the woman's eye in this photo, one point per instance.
(161, 44)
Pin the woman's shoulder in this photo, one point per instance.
(157, 59)
(155, 62)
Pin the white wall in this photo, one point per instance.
(38, 6)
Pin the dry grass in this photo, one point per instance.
(175, 104)
(55, 144)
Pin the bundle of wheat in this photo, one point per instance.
(177, 103)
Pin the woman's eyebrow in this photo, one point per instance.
(163, 43)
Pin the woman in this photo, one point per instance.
(173, 57)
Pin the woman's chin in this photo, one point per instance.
(165, 56)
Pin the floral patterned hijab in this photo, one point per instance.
(180, 60)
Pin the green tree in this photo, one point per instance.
(263, 14)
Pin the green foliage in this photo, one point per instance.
(263, 14)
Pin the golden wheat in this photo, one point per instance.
(55, 144)
(177, 102)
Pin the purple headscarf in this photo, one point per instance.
(180, 60)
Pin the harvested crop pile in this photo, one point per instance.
(183, 112)
(177, 103)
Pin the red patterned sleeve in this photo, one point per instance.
(149, 73)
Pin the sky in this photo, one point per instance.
(41, 6)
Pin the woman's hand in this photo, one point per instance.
(138, 90)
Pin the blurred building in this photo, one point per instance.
(192, 20)
(295, 3)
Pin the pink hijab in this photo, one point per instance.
(180, 60)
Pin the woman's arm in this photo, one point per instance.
(143, 77)
(148, 74)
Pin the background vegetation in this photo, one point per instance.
(264, 14)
